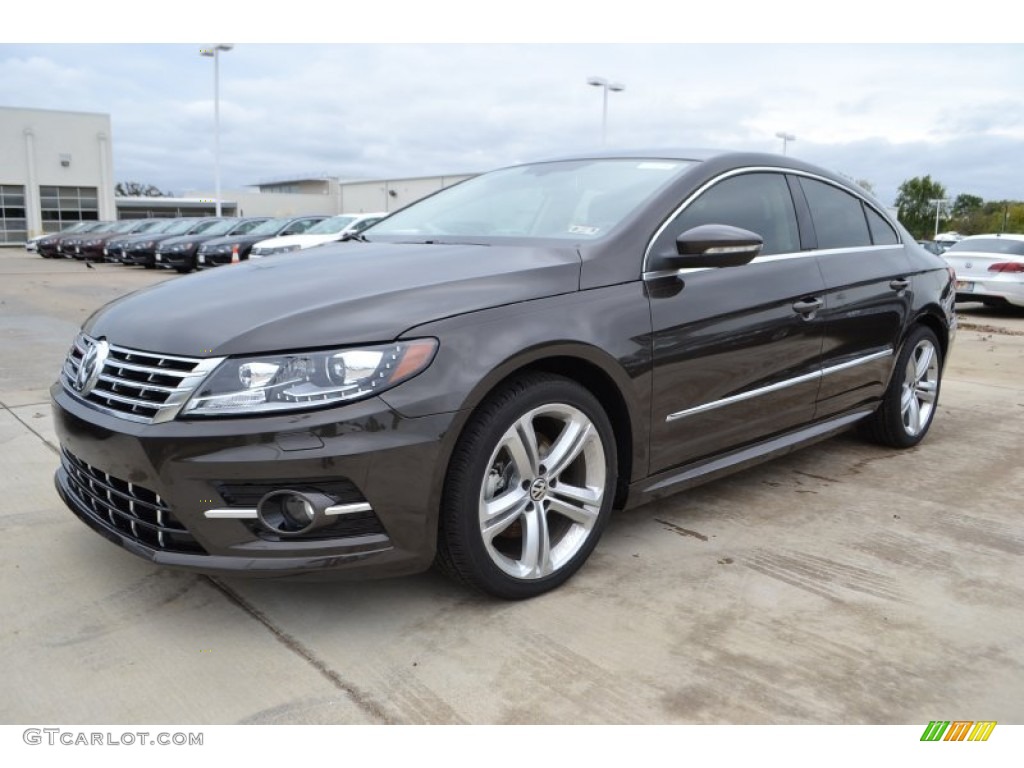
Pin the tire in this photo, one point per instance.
(183, 270)
(909, 403)
(515, 522)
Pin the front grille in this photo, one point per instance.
(140, 386)
(342, 490)
(132, 509)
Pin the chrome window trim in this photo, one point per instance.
(770, 169)
(750, 394)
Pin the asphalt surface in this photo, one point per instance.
(845, 583)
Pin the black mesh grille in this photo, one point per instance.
(132, 509)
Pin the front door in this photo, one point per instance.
(736, 350)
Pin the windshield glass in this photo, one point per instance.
(202, 227)
(221, 227)
(990, 245)
(179, 227)
(245, 227)
(331, 226)
(270, 227)
(577, 199)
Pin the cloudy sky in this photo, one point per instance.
(880, 112)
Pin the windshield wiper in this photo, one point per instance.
(353, 236)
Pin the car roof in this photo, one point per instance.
(996, 235)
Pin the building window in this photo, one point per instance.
(12, 214)
(62, 206)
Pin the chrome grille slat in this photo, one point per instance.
(163, 385)
(117, 380)
(131, 509)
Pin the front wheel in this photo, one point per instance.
(529, 488)
(908, 407)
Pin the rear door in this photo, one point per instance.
(868, 294)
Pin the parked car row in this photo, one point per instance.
(185, 244)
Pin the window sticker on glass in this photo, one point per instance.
(579, 229)
(651, 166)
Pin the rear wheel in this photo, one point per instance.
(529, 488)
(908, 407)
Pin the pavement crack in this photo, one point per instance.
(361, 699)
(35, 432)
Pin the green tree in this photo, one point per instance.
(917, 212)
(135, 189)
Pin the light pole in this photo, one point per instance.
(214, 53)
(786, 138)
(938, 202)
(602, 83)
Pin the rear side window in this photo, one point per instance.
(838, 217)
(758, 202)
(881, 232)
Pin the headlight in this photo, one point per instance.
(222, 249)
(305, 380)
(147, 244)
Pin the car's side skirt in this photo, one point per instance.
(680, 478)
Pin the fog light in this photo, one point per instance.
(291, 513)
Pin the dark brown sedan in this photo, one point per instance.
(483, 377)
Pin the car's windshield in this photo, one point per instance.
(179, 227)
(270, 227)
(202, 227)
(331, 226)
(577, 199)
(244, 227)
(990, 245)
(153, 225)
(221, 227)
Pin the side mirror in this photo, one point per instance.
(714, 245)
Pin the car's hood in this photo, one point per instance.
(345, 293)
(240, 239)
(303, 241)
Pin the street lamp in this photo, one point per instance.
(938, 203)
(600, 82)
(214, 53)
(786, 138)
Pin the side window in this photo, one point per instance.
(838, 216)
(882, 232)
(758, 202)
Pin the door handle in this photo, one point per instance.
(899, 284)
(808, 306)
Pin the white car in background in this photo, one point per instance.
(989, 269)
(327, 231)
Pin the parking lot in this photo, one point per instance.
(845, 583)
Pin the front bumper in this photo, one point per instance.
(174, 259)
(138, 256)
(113, 469)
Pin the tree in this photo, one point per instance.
(917, 212)
(135, 189)
(866, 185)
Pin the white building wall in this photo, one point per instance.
(41, 147)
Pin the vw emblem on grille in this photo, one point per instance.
(967, 265)
(91, 366)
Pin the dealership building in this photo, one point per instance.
(57, 168)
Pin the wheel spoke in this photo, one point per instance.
(585, 516)
(536, 558)
(924, 362)
(925, 391)
(501, 512)
(913, 416)
(521, 442)
(586, 496)
(567, 447)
